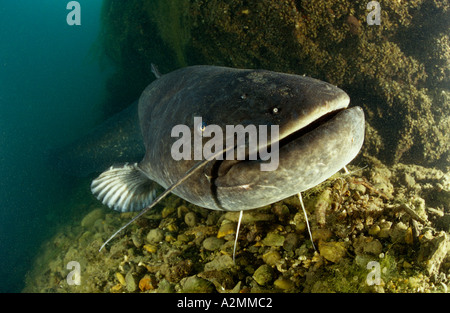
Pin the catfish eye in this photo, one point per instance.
(201, 127)
(275, 110)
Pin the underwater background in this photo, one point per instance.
(50, 90)
(58, 82)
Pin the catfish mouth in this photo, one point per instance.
(322, 120)
(221, 167)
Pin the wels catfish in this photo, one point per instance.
(317, 135)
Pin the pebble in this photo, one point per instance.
(167, 211)
(367, 245)
(147, 283)
(155, 235)
(385, 229)
(137, 241)
(321, 234)
(150, 248)
(432, 253)
(332, 251)
(291, 242)
(219, 263)
(120, 278)
(272, 257)
(194, 284)
(398, 232)
(263, 275)
(283, 283)
(130, 282)
(273, 240)
(165, 286)
(213, 243)
(374, 230)
(299, 222)
(190, 219)
(227, 228)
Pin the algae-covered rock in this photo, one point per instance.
(273, 239)
(194, 284)
(130, 282)
(220, 262)
(155, 235)
(433, 252)
(213, 243)
(283, 283)
(190, 219)
(263, 275)
(332, 251)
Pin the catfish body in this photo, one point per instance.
(317, 136)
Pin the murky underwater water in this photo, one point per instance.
(51, 88)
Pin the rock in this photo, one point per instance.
(174, 273)
(398, 232)
(222, 280)
(137, 241)
(367, 245)
(433, 252)
(273, 240)
(190, 219)
(90, 218)
(167, 211)
(120, 278)
(299, 222)
(194, 284)
(385, 229)
(321, 234)
(332, 251)
(227, 228)
(271, 258)
(374, 230)
(374, 247)
(263, 275)
(165, 287)
(283, 283)
(155, 235)
(219, 263)
(147, 283)
(291, 242)
(213, 243)
(130, 282)
(150, 248)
